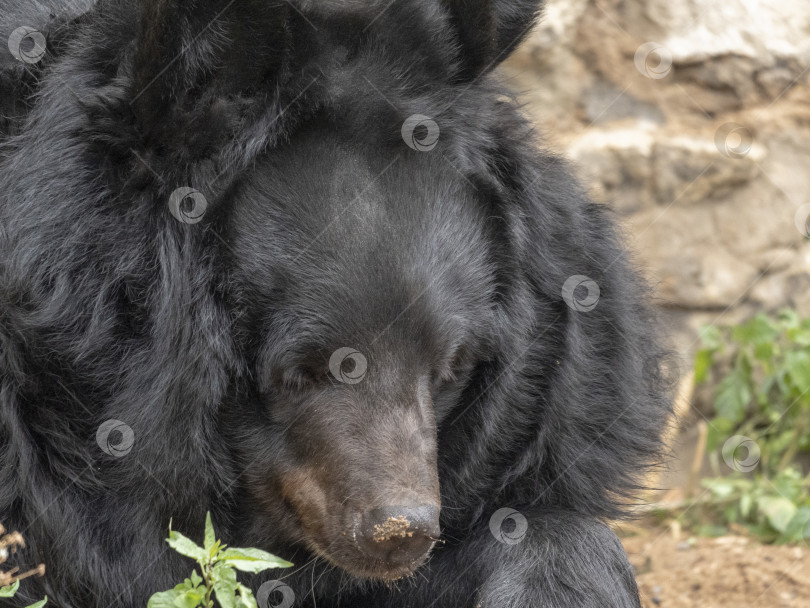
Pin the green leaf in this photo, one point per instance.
(184, 595)
(798, 366)
(763, 532)
(731, 513)
(225, 595)
(9, 590)
(758, 330)
(789, 318)
(210, 537)
(733, 395)
(703, 363)
(222, 571)
(252, 560)
(765, 351)
(185, 546)
(711, 337)
(799, 527)
(745, 505)
(186, 585)
(789, 483)
(246, 599)
(225, 592)
(801, 337)
(196, 580)
(225, 585)
(778, 510)
(214, 551)
(164, 599)
(767, 385)
(719, 487)
(40, 603)
(191, 598)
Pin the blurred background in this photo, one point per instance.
(692, 120)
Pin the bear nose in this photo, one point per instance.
(399, 535)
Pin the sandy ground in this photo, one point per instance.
(726, 572)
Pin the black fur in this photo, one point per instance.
(323, 229)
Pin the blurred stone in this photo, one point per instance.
(729, 77)
(756, 221)
(691, 169)
(759, 29)
(558, 24)
(605, 103)
(775, 291)
(709, 278)
(774, 260)
(689, 265)
(774, 82)
(712, 222)
(616, 164)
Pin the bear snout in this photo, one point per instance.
(398, 535)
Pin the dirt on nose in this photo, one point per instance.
(393, 527)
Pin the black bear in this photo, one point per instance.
(300, 264)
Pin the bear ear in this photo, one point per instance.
(489, 30)
(193, 54)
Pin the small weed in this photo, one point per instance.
(217, 576)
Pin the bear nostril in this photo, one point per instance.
(399, 535)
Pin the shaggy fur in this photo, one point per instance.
(322, 230)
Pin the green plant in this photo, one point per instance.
(217, 577)
(773, 510)
(11, 590)
(761, 375)
(764, 391)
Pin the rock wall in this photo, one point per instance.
(691, 119)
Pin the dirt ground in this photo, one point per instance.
(677, 571)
